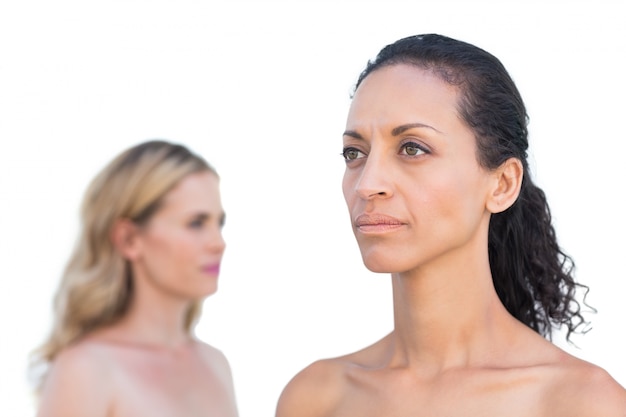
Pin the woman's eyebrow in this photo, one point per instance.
(403, 128)
(396, 130)
(353, 134)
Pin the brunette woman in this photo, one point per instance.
(440, 196)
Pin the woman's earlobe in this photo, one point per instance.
(508, 182)
(124, 238)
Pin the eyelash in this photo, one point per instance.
(345, 151)
(415, 145)
(199, 223)
(403, 148)
(196, 224)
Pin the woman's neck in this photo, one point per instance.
(155, 319)
(157, 325)
(447, 314)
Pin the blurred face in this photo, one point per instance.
(180, 248)
(414, 188)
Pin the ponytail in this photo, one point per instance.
(532, 275)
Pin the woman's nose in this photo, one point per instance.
(373, 181)
(215, 241)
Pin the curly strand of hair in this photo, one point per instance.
(532, 275)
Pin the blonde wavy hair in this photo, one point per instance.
(96, 287)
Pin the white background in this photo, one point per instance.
(261, 89)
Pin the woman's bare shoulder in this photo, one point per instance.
(215, 359)
(316, 390)
(210, 352)
(587, 390)
(84, 360)
(79, 371)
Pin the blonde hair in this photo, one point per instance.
(96, 287)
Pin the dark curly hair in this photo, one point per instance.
(532, 275)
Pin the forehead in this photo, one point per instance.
(195, 190)
(401, 92)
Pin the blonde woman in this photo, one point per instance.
(149, 252)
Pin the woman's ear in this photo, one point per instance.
(125, 238)
(507, 184)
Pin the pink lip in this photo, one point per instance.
(211, 269)
(377, 223)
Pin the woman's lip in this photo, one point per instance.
(377, 223)
(213, 269)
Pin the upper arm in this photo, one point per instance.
(313, 392)
(220, 369)
(226, 375)
(75, 387)
(224, 368)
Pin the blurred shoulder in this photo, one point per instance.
(85, 360)
(81, 371)
(214, 358)
(211, 353)
(316, 390)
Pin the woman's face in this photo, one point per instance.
(413, 185)
(180, 248)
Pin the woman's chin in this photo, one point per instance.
(380, 266)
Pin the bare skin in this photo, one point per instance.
(420, 204)
(147, 363)
(103, 377)
(365, 384)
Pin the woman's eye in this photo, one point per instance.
(196, 224)
(412, 149)
(350, 154)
